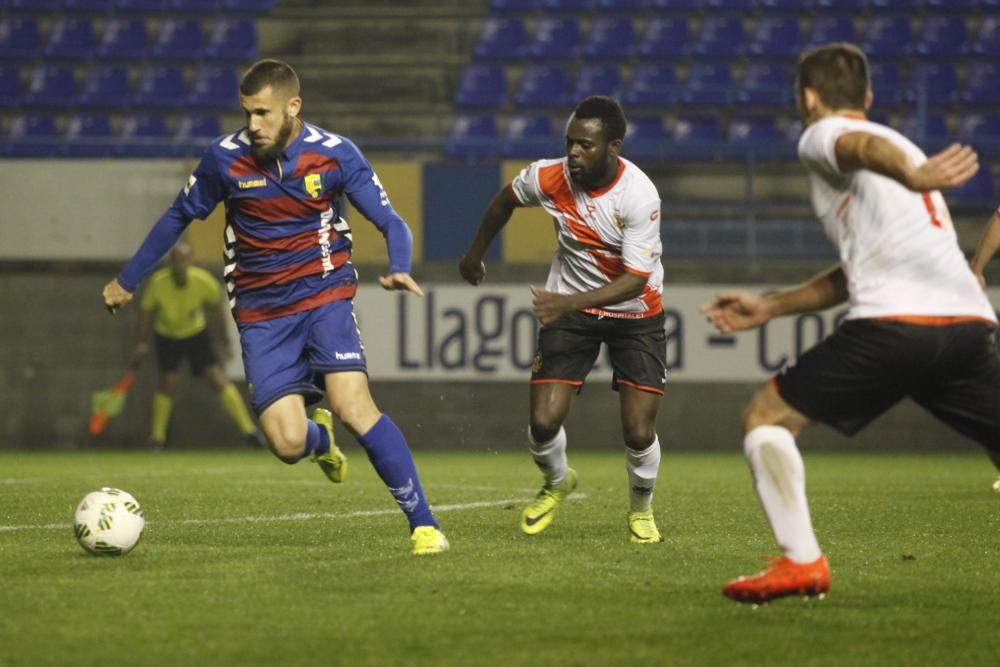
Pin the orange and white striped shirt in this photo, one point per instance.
(898, 248)
(602, 233)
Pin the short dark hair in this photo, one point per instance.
(263, 73)
(838, 73)
(608, 111)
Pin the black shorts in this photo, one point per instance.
(197, 349)
(568, 349)
(866, 366)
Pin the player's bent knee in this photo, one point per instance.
(544, 430)
(287, 443)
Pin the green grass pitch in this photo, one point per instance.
(246, 561)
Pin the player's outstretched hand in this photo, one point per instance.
(115, 296)
(736, 311)
(950, 168)
(400, 281)
(549, 306)
(473, 270)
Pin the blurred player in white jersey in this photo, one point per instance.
(918, 323)
(605, 286)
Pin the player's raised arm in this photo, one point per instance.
(988, 246)
(950, 168)
(497, 214)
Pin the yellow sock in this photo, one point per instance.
(162, 406)
(237, 409)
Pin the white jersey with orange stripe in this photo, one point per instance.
(601, 233)
(898, 248)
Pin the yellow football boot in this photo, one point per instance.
(539, 513)
(642, 528)
(333, 463)
(427, 541)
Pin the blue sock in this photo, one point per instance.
(317, 439)
(390, 455)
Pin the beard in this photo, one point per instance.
(596, 174)
(272, 151)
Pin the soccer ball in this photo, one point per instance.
(108, 522)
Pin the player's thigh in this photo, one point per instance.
(274, 361)
(566, 350)
(351, 400)
(284, 424)
(638, 353)
(550, 403)
(847, 380)
(962, 388)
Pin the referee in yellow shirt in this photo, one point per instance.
(174, 304)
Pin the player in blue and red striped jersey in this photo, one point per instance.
(291, 284)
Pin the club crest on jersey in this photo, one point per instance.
(313, 184)
(192, 179)
(619, 221)
(536, 365)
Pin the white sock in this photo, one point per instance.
(642, 469)
(780, 478)
(550, 457)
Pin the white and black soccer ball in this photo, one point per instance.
(108, 522)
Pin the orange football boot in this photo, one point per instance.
(783, 577)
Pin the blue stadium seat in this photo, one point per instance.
(34, 135)
(888, 84)
(193, 6)
(88, 6)
(941, 37)
(232, 39)
(566, 5)
(887, 37)
(19, 38)
(674, 5)
(742, 6)
(982, 131)
(758, 136)
(719, 37)
(987, 40)
(473, 136)
(105, 86)
(938, 79)
(123, 39)
(500, 38)
(696, 137)
(160, 86)
(515, 5)
(144, 6)
(531, 137)
(542, 86)
(763, 84)
(481, 86)
(610, 38)
(664, 37)
(627, 6)
(194, 133)
(982, 85)
(651, 85)
(960, 6)
(599, 79)
(35, 6)
(775, 37)
(931, 133)
(248, 6)
(51, 86)
(828, 29)
(214, 87)
(10, 85)
(794, 6)
(144, 136)
(554, 38)
(895, 6)
(70, 38)
(645, 137)
(179, 39)
(88, 136)
(707, 85)
(979, 192)
(839, 6)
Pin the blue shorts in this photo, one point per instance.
(290, 355)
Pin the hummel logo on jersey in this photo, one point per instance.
(313, 184)
(190, 184)
(253, 183)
